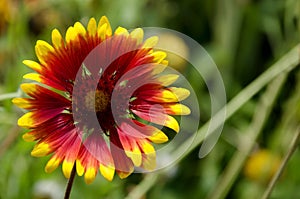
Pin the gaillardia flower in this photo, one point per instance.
(99, 100)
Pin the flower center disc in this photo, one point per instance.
(96, 101)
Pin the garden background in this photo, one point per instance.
(252, 43)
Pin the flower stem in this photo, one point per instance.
(70, 183)
(288, 62)
(6, 96)
(260, 116)
(289, 154)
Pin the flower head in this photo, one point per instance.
(98, 100)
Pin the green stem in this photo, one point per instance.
(261, 114)
(145, 185)
(6, 96)
(293, 147)
(289, 61)
(70, 183)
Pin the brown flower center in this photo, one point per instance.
(97, 101)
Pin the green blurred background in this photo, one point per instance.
(243, 37)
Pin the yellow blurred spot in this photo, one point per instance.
(40, 150)
(261, 165)
(108, 172)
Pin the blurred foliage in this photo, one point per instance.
(243, 37)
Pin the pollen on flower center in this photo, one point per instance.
(96, 100)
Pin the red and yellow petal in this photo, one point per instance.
(50, 119)
(168, 95)
(25, 103)
(94, 154)
(148, 155)
(87, 165)
(123, 164)
(152, 133)
(131, 148)
(158, 118)
(138, 130)
(158, 56)
(42, 100)
(166, 108)
(42, 50)
(139, 150)
(92, 27)
(44, 97)
(176, 109)
(150, 42)
(57, 39)
(53, 163)
(41, 149)
(107, 171)
(70, 156)
(158, 138)
(104, 21)
(35, 118)
(138, 35)
(33, 65)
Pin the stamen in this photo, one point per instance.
(97, 101)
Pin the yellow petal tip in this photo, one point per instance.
(26, 120)
(67, 168)
(52, 164)
(123, 175)
(33, 76)
(159, 137)
(28, 137)
(40, 150)
(107, 172)
(90, 175)
(79, 168)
